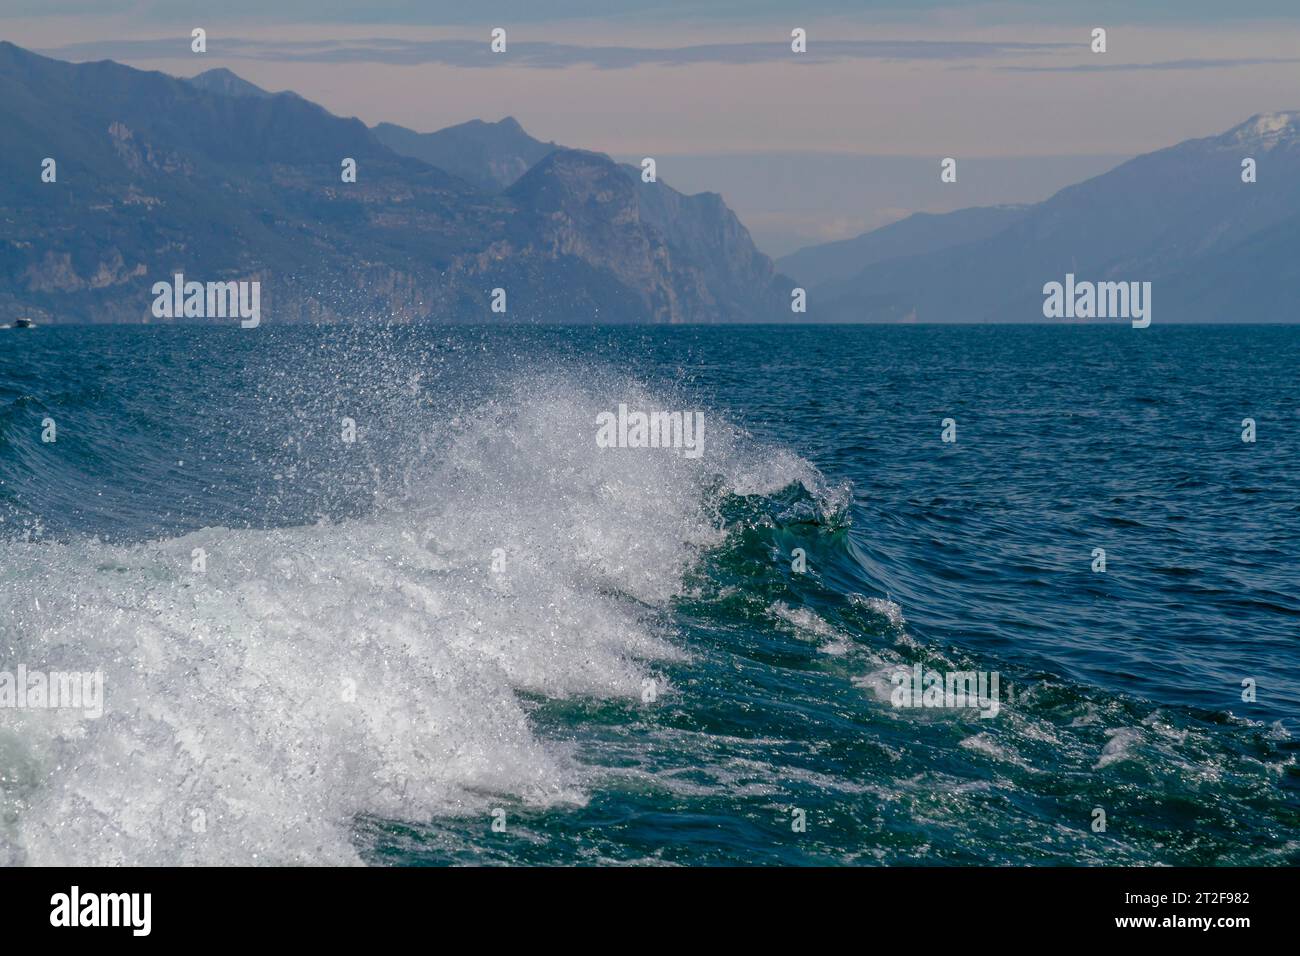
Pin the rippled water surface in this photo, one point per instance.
(326, 651)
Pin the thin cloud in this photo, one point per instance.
(538, 55)
(1204, 64)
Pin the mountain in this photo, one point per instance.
(695, 258)
(219, 180)
(708, 248)
(919, 233)
(1215, 249)
(701, 230)
(492, 156)
(227, 83)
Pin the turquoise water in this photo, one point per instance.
(471, 613)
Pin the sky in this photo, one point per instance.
(806, 147)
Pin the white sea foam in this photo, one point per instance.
(809, 625)
(1119, 747)
(889, 610)
(370, 666)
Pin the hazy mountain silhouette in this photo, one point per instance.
(222, 80)
(492, 156)
(217, 179)
(709, 251)
(1216, 249)
(916, 234)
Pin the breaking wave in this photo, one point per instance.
(265, 686)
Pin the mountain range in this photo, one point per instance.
(1214, 247)
(492, 156)
(219, 180)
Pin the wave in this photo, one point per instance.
(264, 687)
(464, 610)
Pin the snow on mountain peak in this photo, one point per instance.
(1266, 129)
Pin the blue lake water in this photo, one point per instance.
(323, 650)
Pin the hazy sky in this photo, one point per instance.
(805, 147)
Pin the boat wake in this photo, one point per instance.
(264, 687)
